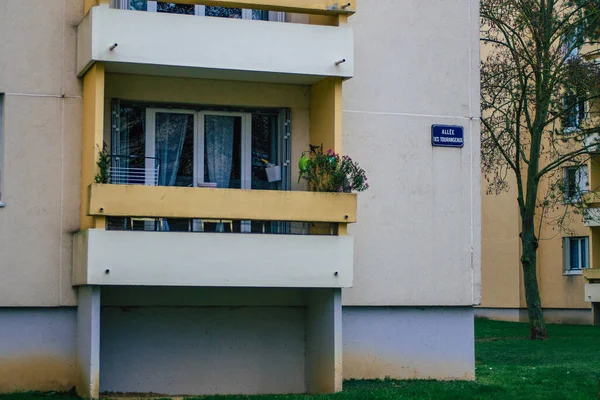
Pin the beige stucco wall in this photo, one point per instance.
(42, 129)
(500, 269)
(417, 240)
(418, 231)
(502, 280)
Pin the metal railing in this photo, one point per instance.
(121, 172)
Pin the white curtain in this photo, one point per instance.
(171, 130)
(219, 148)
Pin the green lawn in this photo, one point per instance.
(509, 366)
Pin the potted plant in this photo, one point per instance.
(331, 172)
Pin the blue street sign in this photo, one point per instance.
(447, 136)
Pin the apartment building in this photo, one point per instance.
(568, 254)
(144, 246)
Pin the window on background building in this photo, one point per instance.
(1, 149)
(575, 183)
(574, 112)
(576, 254)
(190, 9)
(572, 42)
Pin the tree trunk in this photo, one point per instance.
(532, 292)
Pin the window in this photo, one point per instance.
(575, 181)
(1, 149)
(574, 112)
(572, 42)
(576, 254)
(189, 9)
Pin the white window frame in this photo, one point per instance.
(200, 10)
(582, 179)
(1, 150)
(568, 270)
(246, 142)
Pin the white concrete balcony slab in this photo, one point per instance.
(592, 142)
(591, 217)
(102, 257)
(212, 48)
(592, 292)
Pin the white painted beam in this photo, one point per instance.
(88, 342)
(324, 341)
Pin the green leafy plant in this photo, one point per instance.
(103, 164)
(330, 172)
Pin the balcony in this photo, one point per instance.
(162, 44)
(591, 203)
(200, 258)
(592, 286)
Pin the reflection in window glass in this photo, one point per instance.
(139, 5)
(173, 8)
(223, 12)
(265, 146)
(260, 15)
(128, 146)
(175, 148)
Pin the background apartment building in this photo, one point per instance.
(158, 281)
(565, 250)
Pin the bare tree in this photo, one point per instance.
(537, 73)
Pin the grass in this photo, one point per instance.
(508, 366)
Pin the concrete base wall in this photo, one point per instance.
(37, 349)
(408, 342)
(575, 316)
(202, 350)
(261, 349)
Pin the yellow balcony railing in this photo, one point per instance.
(592, 274)
(107, 200)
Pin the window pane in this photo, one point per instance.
(260, 15)
(574, 250)
(580, 112)
(571, 183)
(222, 151)
(173, 8)
(264, 147)
(140, 5)
(175, 148)
(583, 179)
(129, 147)
(571, 115)
(223, 12)
(584, 253)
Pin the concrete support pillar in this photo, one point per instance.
(92, 138)
(596, 314)
(88, 342)
(324, 341)
(326, 114)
